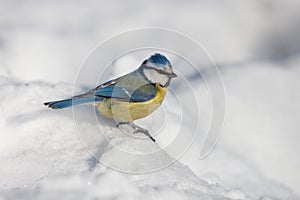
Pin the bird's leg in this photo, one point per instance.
(142, 130)
(122, 123)
(137, 129)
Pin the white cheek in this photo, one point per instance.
(151, 75)
(169, 70)
(155, 77)
(163, 80)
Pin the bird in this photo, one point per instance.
(129, 97)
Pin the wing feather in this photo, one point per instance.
(126, 88)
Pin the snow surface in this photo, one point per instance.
(46, 154)
(43, 158)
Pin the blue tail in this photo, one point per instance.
(71, 102)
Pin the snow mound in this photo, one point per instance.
(42, 156)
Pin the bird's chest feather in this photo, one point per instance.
(130, 111)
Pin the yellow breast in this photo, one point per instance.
(130, 111)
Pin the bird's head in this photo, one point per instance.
(158, 69)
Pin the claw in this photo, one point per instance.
(137, 129)
(151, 138)
(146, 132)
(121, 123)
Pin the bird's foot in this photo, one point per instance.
(122, 123)
(137, 129)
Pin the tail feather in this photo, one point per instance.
(71, 102)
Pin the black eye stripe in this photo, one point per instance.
(159, 71)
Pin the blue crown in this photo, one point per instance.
(159, 59)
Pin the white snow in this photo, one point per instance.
(42, 156)
(47, 154)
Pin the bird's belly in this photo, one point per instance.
(130, 111)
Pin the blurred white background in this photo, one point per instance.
(256, 45)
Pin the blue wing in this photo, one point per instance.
(138, 95)
(113, 91)
(120, 88)
(131, 88)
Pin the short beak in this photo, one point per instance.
(173, 75)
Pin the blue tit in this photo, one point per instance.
(129, 97)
